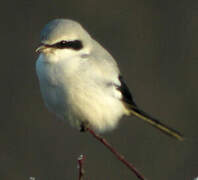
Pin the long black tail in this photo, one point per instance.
(155, 123)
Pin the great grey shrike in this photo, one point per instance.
(81, 82)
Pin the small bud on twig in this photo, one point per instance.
(81, 171)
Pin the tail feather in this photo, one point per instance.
(155, 123)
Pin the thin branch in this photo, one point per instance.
(81, 171)
(117, 154)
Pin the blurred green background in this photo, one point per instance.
(155, 43)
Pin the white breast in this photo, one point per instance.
(78, 95)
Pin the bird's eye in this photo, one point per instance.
(76, 45)
(63, 43)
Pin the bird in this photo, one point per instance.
(81, 83)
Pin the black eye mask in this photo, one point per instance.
(76, 45)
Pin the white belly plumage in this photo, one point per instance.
(80, 101)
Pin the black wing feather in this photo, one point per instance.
(126, 95)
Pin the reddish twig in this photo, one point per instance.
(117, 154)
(80, 167)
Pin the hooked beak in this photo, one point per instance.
(41, 48)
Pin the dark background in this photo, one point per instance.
(155, 43)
